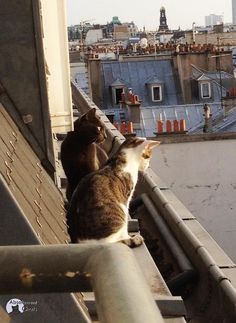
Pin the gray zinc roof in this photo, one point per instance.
(35, 191)
(226, 124)
(192, 113)
(217, 80)
(200, 74)
(136, 75)
(118, 82)
(32, 212)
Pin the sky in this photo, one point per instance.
(147, 12)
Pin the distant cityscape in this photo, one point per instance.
(173, 74)
(126, 33)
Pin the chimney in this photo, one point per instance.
(133, 104)
(208, 119)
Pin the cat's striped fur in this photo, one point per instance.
(100, 205)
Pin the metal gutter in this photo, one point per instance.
(194, 248)
(188, 272)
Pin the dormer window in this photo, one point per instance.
(118, 87)
(205, 90)
(204, 87)
(155, 89)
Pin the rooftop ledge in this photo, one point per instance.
(177, 138)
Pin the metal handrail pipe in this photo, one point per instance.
(121, 293)
(120, 299)
(228, 294)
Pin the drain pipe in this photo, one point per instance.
(188, 272)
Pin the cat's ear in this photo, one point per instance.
(88, 115)
(84, 117)
(150, 144)
(146, 143)
(79, 121)
(91, 113)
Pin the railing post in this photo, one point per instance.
(120, 288)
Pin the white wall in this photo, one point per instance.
(234, 12)
(203, 177)
(57, 60)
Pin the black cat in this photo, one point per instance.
(81, 153)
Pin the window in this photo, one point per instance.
(118, 95)
(156, 93)
(205, 90)
(117, 89)
(156, 90)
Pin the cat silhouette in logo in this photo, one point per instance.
(14, 304)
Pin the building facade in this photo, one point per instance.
(212, 19)
(234, 12)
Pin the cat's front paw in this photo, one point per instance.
(134, 241)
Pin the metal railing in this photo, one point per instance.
(121, 293)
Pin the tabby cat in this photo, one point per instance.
(81, 153)
(100, 204)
